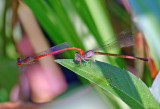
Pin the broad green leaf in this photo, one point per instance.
(118, 82)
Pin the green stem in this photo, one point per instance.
(4, 28)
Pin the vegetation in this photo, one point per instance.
(88, 24)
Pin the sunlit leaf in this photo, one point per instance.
(118, 82)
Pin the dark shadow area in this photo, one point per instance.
(121, 82)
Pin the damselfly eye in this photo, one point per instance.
(19, 61)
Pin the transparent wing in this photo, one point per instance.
(54, 48)
(124, 39)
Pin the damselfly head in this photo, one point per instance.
(19, 62)
(77, 56)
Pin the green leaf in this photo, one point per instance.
(58, 19)
(55, 21)
(118, 82)
(8, 77)
(4, 95)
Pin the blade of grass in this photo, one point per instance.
(96, 18)
(54, 20)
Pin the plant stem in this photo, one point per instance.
(4, 28)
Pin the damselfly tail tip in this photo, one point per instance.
(145, 59)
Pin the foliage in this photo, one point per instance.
(87, 24)
(118, 82)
